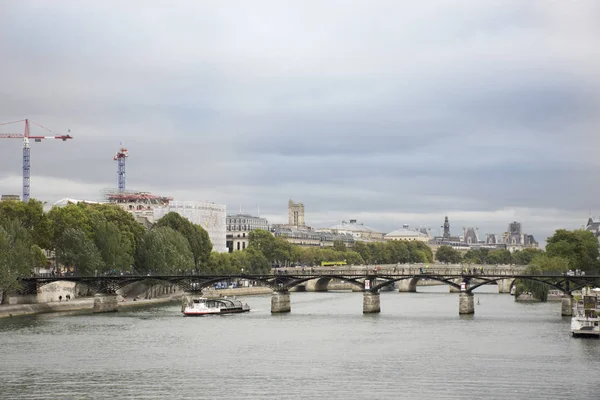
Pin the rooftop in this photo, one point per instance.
(353, 225)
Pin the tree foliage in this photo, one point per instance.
(579, 248)
(77, 251)
(17, 254)
(197, 237)
(446, 254)
(163, 250)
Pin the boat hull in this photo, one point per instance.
(194, 313)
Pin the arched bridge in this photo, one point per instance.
(370, 282)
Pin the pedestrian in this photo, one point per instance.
(60, 298)
(68, 297)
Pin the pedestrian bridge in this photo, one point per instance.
(369, 281)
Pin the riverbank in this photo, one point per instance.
(86, 304)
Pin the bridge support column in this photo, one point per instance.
(186, 299)
(465, 303)
(504, 285)
(371, 303)
(567, 306)
(356, 288)
(105, 303)
(405, 286)
(280, 302)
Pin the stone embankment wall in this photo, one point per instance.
(86, 304)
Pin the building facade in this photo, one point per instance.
(355, 229)
(238, 228)
(405, 233)
(295, 213)
(211, 216)
(307, 237)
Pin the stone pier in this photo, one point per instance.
(567, 306)
(105, 303)
(465, 303)
(280, 302)
(407, 285)
(371, 304)
(504, 285)
(187, 298)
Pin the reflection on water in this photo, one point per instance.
(418, 347)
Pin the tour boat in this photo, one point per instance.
(585, 320)
(204, 306)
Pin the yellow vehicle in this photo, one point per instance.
(332, 263)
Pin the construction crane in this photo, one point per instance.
(26, 150)
(121, 156)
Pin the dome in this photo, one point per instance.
(352, 226)
(404, 232)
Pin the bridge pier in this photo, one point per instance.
(186, 299)
(405, 286)
(466, 306)
(371, 302)
(566, 306)
(104, 302)
(504, 285)
(280, 302)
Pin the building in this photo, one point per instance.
(307, 237)
(515, 240)
(405, 233)
(238, 228)
(10, 197)
(295, 213)
(446, 237)
(471, 236)
(140, 204)
(593, 225)
(211, 216)
(357, 230)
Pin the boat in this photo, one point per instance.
(585, 320)
(204, 306)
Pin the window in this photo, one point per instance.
(243, 245)
(238, 245)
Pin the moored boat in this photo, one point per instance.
(585, 320)
(204, 306)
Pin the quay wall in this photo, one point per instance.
(86, 304)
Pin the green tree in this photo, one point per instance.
(339, 245)
(499, 256)
(115, 246)
(579, 247)
(197, 237)
(31, 216)
(75, 250)
(257, 262)
(164, 251)
(365, 251)
(72, 216)
(525, 256)
(542, 264)
(264, 242)
(447, 254)
(476, 256)
(16, 255)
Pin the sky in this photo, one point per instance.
(388, 112)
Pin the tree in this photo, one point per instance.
(499, 256)
(476, 256)
(339, 245)
(540, 265)
(31, 216)
(197, 237)
(264, 242)
(447, 254)
(524, 257)
(115, 247)
(163, 251)
(74, 249)
(16, 255)
(579, 247)
(257, 262)
(72, 216)
(365, 251)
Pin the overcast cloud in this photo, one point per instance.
(389, 112)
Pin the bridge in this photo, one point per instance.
(369, 281)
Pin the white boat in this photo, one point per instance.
(203, 306)
(585, 320)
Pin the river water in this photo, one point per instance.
(417, 348)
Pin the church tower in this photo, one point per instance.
(295, 213)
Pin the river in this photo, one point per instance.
(417, 348)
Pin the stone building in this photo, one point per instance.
(307, 237)
(593, 225)
(295, 213)
(356, 229)
(405, 233)
(238, 228)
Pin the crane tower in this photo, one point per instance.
(26, 150)
(120, 158)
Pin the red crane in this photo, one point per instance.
(26, 154)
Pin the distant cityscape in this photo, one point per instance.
(230, 232)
